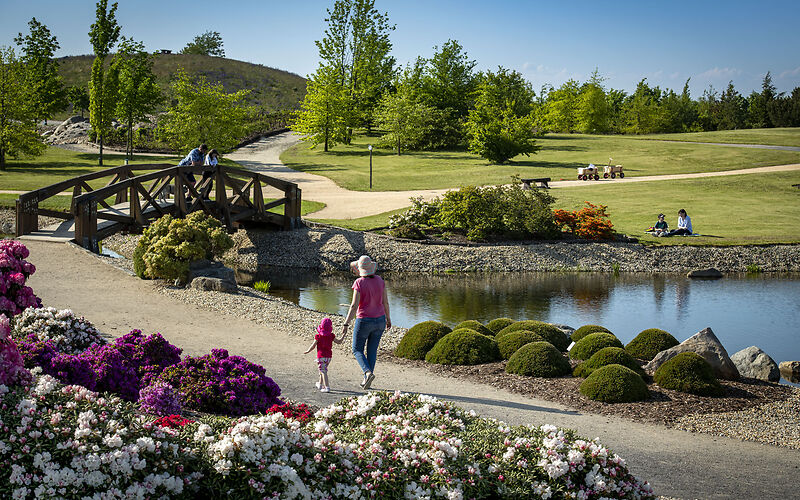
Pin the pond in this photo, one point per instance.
(742, 310)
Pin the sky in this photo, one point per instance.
(549, 42)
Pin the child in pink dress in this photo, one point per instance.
(323, 341)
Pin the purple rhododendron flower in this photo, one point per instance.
(14, 271)
(160, 398)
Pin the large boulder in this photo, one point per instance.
(790, 370)
(207, 275)
(707, 345)
(704, 273)
(752, 362)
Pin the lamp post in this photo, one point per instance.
(370, 165)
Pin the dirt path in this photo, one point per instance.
(677, 463)
(264, 156)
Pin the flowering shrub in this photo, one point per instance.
(169, 245)
(590, 222)
(148, 355)
(12, 367)
(222, 384)
(159, 398)
(66, 441)
(69, 334)
(14, 272)
(299, 411)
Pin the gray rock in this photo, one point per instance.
(213, 284)
(707, 345)
(704, 273)
(790, 370)
(752, 362)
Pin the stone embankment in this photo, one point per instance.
(330, 248)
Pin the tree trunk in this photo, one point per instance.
(398, 144)
(129, 153)
(101, 150)
(2, 159)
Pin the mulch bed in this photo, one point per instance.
(663, 407)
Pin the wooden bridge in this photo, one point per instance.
(129, 202)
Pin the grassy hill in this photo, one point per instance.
(269, 87)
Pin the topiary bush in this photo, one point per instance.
(547, 331)
(538, 359)
(498, 324)
(590, 344)
(420, 338)
(510, 343)
(688, 372)
(463, 347)
(586, 330)
(614, 384)
(649, 343)
(475, 325)
(608, 356)
(169, 245)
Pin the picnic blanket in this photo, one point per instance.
(693, 234)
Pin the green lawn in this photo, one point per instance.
(731, 210)
(348, 166)
(768, 136)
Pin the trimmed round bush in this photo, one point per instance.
(649, 343)
(688, 372)
(607, 356)
(586, 330)
(463, 347)
(509, 344)
(538, 359)
(614, 384)
(475, 325)
(590, 344)
(547, 331)
(420, 338)
(498, 324)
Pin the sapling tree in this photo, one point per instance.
(18, 112)
(103, 35)
(41, 70)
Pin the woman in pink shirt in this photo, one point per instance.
(371, 310)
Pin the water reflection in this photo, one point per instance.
(742, 310)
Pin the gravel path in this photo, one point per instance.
(275, 333)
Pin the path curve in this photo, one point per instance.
(678, 464)
(264, 156)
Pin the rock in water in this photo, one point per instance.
(206, 275)
(790, 370)
(752, 362)
(704, 273)
(707, 345)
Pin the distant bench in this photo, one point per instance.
(541, 183)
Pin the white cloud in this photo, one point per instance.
(720, 73)
(791, 72)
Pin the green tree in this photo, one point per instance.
(207, 44)
(41, 70)
(732, 109)
(204, 113)
(501, 125)
(759, 103)
(407, 120)
(79, 99)
(103, 35)
(641, 109)
(18, 112)
(562, 106)
(138, 92)
(592, 112)
(321, 114)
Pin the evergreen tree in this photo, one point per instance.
(641, 109)
(103, 86)
(41, 70)
(18, 111)
(732, 109)
(592, 113)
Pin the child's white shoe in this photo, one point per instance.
(325, 389)
(317, 385)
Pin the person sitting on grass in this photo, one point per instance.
(684, 225)
(661, 226)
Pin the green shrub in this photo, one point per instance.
(498, 324)
(262, 286)
(509, 344)
(169, 245)
(586, 330)
(607, 356)
(408, 232)
(688, 372)
(538, 359)
(463, 347)
(420, 338)
(590, 344)
(547, 331)
(474, 325)
(614, 384)
(649, 343)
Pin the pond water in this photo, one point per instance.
(742, 310)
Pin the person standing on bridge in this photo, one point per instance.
(370, 306)
(212, 159)
(194, 159)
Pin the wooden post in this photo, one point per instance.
(180, 198)
(291, 210)
(27, 214)
(86, 225)
(135, 206)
